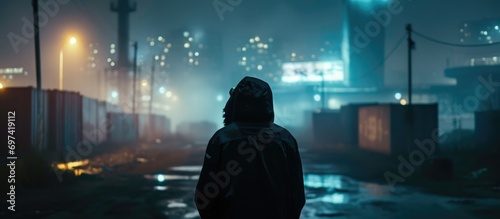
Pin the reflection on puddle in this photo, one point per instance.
(337, 189)
(174, 204)
(166, 177)
(160, 188)
(187, 168)
(336, 198)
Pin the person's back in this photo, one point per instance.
(252, 167)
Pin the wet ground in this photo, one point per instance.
(167, 192)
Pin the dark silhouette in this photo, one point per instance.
(252, 167)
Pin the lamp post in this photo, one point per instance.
(72, 41)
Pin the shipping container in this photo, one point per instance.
(121, 128)
(487, 131)
(385, 128)
(29, 127)
(349, 121)
(327, 129)
(64, 121)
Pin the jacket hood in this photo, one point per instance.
(251, 101)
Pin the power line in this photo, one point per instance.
(384, 60)
(453, 44)
(391, 52)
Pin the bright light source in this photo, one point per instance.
(496, 27)
(219, 98)
(185, 34)
(144, 83)
(161, 178)
(114, 94)
(112, 51)
(186, 45)
(152, 43)
(257, 39)
(293, 54)
(403, 102)
(317, 97)
(160, 38)
(72, 41)
(112, 46)
(112, 64)
(165, 50)
(190, 54)
(259, 67)
(1, 85)
(190, 39)
(333, 104)
(157, 57)
(251, 40)
(196, 54)
(168, 94)
(398, 96)
(162, 90)
(244, 58)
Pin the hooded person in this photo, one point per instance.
(252, 167)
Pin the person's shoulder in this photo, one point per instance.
(225, 133)
(283, 132)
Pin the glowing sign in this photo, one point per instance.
(294, 72)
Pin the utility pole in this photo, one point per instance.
(152, 86)
(411, 46)
(323, 94)
(134, 87)
(36, 24)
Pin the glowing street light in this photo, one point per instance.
(72, 41)
(403, 102)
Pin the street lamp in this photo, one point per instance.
(72, 41)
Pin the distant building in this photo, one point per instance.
(363, 43)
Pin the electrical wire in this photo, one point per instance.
(453, 44)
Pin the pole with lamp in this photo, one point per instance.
(72, 41)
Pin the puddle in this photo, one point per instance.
(170, 177)
(187, 168)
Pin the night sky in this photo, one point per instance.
(301, 23)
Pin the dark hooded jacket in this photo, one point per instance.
(252, 167)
